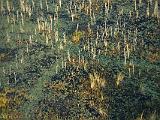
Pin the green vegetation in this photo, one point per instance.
(79, 60)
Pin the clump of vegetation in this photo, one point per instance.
(77, 35)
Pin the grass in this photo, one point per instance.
(108, 74)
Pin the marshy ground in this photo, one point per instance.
(79, 60)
